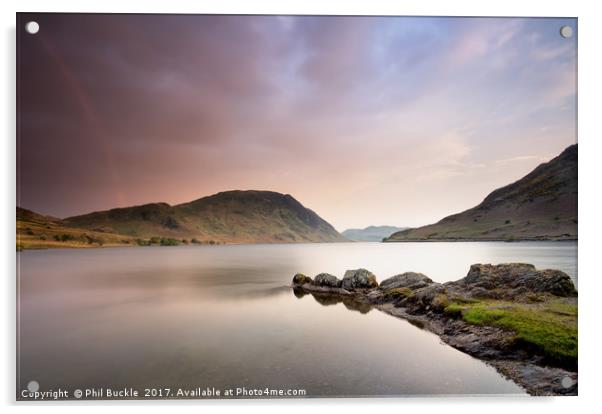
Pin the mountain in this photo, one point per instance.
(540, 206)
(226, 217)
(371, 233)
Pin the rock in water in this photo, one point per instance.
(408, 280)
(301, 279)
(327, 280)
(359, 279)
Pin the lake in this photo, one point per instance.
(224, 317)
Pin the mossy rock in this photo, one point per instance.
(411, 280)
(327, 280)
(440, 302)
(359, 279)
(398, 293)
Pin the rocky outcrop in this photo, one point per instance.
(440, 309)
(417, 293)
(512, 282)
(359, 279)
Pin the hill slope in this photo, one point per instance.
(371, 233)
(35, 231)
(540, 206)
(227, 217)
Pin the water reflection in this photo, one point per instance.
(326, 299)
(224, 316)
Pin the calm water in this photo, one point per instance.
(223, 317)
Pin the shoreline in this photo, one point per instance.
(532, 239)
(534, 378)
(58, 246)
(447, 310)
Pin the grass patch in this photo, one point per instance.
(550, 327)
(455, 309)
(398, 293)
(567, 309)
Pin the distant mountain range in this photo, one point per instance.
(371, 233)
(226, 217)
(540, 206)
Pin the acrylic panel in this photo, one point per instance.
(248, 206)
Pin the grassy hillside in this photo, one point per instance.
(35, 231)
(227, 217)
(540, 206)
(255, 215)
(371, 233)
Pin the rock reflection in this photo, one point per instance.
(299, 293)
(326, 299)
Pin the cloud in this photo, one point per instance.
(400, 112)
(554, 51)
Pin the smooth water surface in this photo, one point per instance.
(224, 317)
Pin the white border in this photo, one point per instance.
(590, 200)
